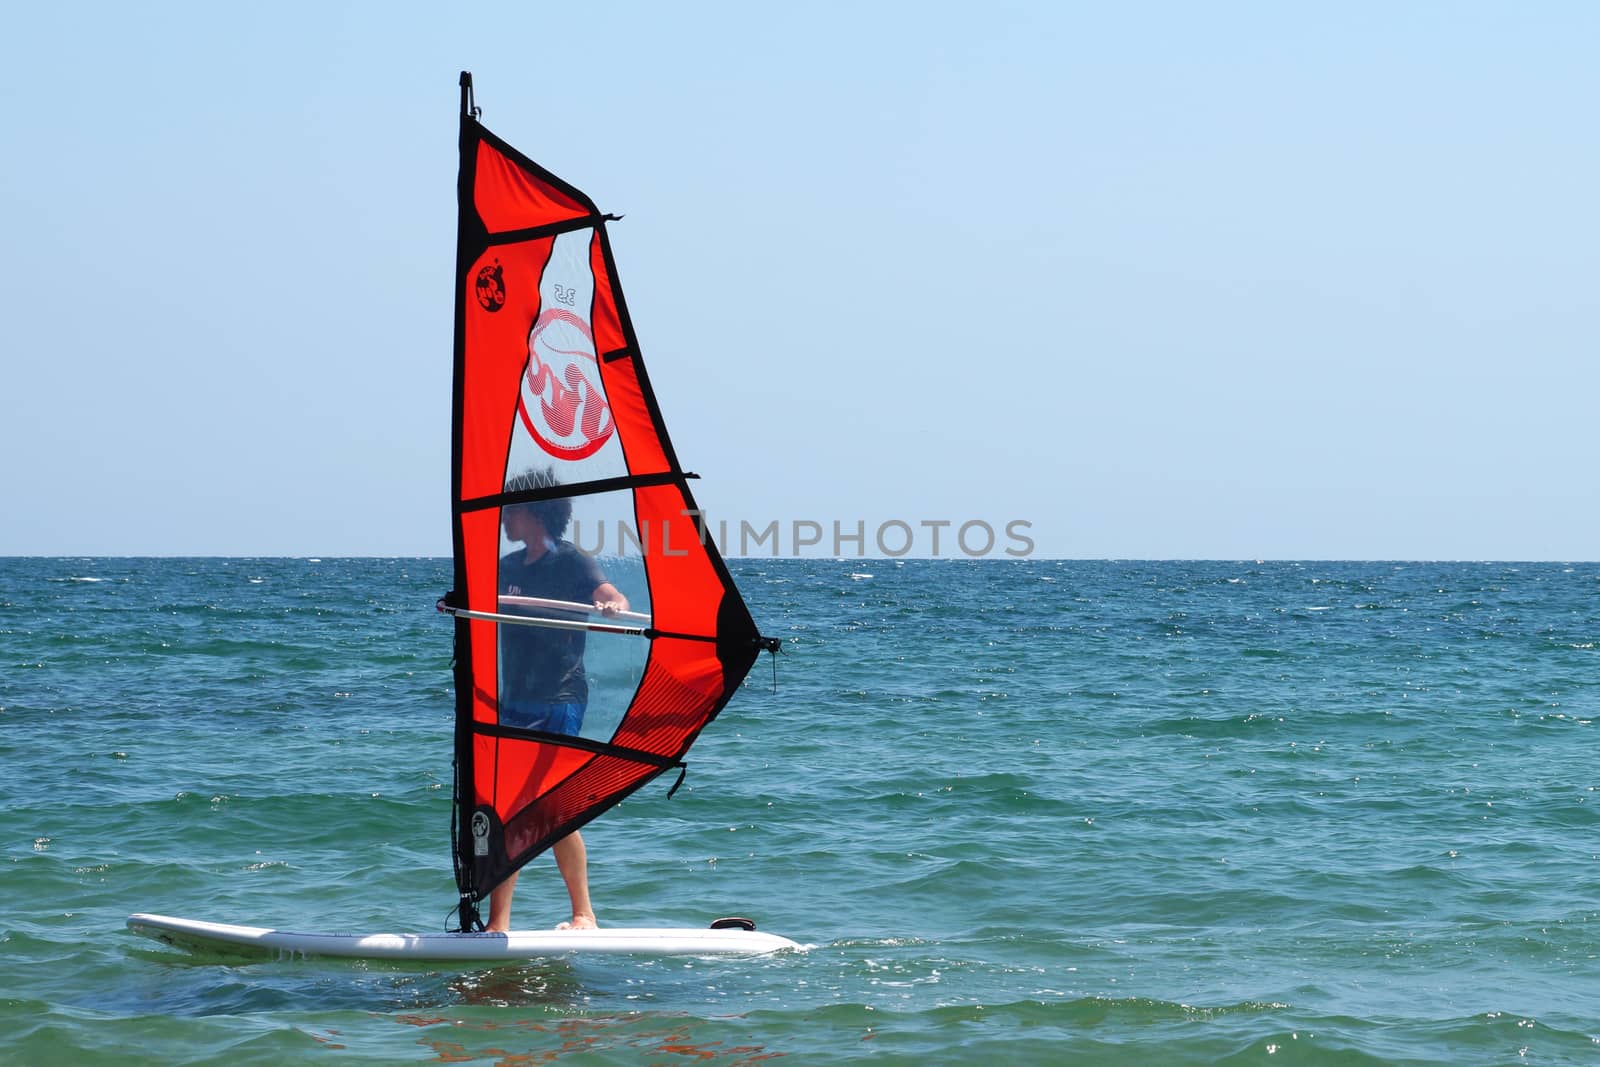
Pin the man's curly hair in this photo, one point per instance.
(553, 514)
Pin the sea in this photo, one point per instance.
(1019, 812)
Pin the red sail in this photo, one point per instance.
(565, 489)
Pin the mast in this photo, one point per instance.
(461, 762)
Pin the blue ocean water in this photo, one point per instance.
(1042, 812)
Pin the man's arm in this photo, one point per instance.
(608, 599)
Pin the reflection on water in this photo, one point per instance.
(549, 1040)
(547, 984)
(204, 986)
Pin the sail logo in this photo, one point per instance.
(490, 287)
(480, 834)
(561, 403)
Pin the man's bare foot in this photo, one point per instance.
(579, 922)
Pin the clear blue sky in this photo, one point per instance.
(1165, 280)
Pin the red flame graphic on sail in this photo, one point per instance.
(561, 403)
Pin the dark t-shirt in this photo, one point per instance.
(538, 663)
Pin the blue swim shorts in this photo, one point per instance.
(543, 715)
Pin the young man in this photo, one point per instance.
(543, 685)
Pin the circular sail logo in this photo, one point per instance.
(480, 834)
(491, 287)
(561, 402)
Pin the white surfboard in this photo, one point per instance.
(516, 945)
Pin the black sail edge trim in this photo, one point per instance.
(511, 153)
(737, 658)
(600, 485)
(631, 338)
(732, 680)
(736, 649)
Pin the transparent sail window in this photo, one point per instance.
(573, 567)
(564, 417)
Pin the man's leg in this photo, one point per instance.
(573, 862)
(500, 904)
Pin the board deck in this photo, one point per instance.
(517, 945)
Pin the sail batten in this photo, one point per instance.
(604, 485)
(551, 229)
(568, 502)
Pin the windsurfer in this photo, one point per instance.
(544, 686)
